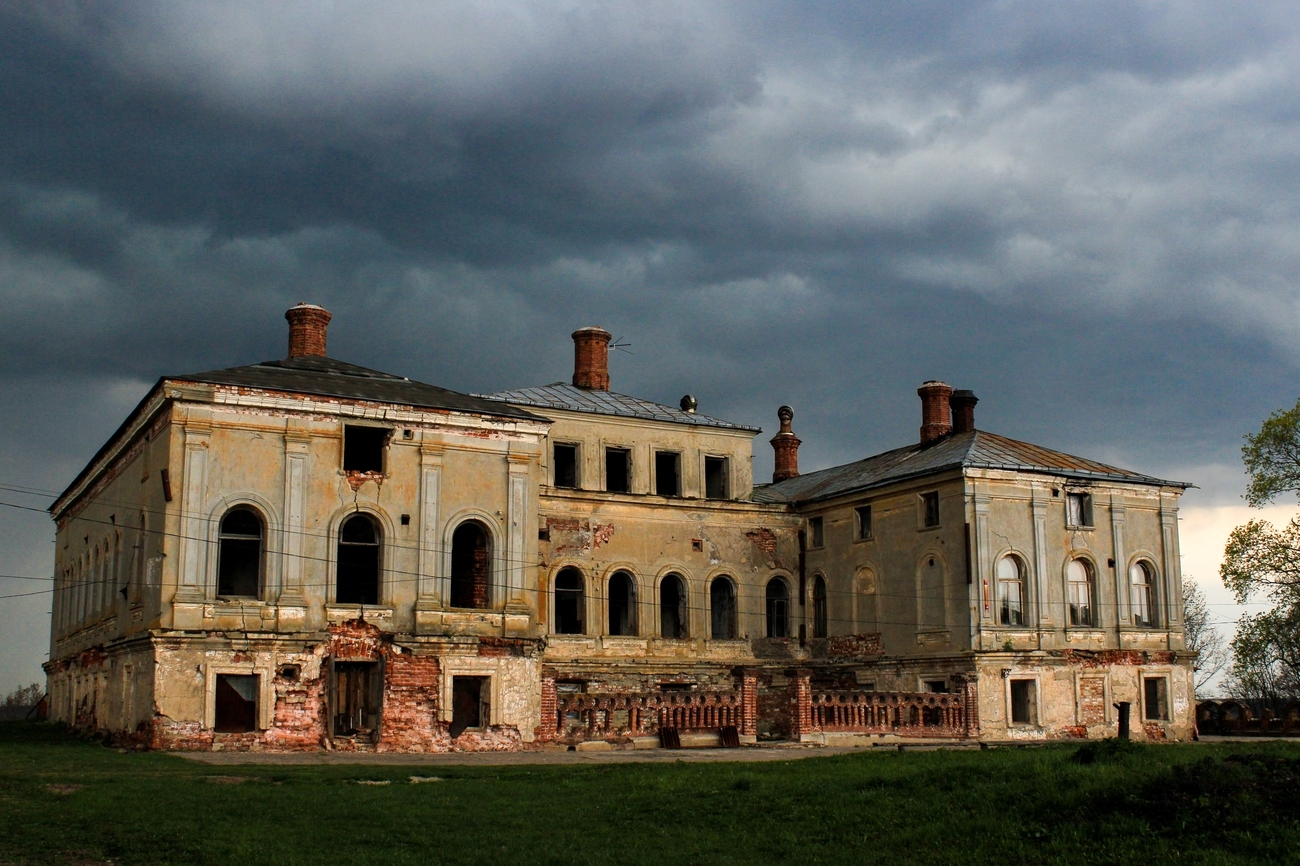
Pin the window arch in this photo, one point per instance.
(722, 609)
(240, 547)
(357, 579)
(820, 607)
(570, 602)
(622, 604)
(1142, 577)
(778, 608)
(672, 607)
(1011, 591)
(1078, 575)
(471, 565)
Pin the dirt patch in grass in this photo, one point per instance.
(228, 780)
(63, 788)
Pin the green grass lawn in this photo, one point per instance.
(65, 800)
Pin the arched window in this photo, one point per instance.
(778, 608)
(1079, 577)
(622, 604)
(471, 565)
(1144, 594)
(722, 607)
(672, 607)
(358, 562)
(239, 554)
(570, 601)
(1011, 589)
(820, 607)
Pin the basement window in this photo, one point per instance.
(1024, 702)
(618, 470)
(1155, 699)
(715, 477)
(668, 473)
(363, 448)
(565, 460)
(1078, 509)
(930, 509)
(469, 705)
(236, 701)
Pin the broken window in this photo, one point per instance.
(936, 687)
(778, 608)
(569, 602)
(1155, 699)
(863, 514)
(1078, 509)
(715, 477)
(358, 561)
(1024, 702)
(816, 538)
(1079, 577)
(469, 705)
(668, 473)
(622, 604)
(722, 608)
(1144, 606)
(363, 448)
(1011, 588)
(239, 554)
(565, 460)
(236, 703)
(356, 699)
(672, 607)
(470, 565)
(930, 508)
(618, 470)
(820, 605)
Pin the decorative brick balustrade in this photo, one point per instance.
(617, 716)
(903, 714)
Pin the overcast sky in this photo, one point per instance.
(1087, 213)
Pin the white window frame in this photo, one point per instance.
(265, 691)
(1038, 700)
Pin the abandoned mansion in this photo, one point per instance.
(307, 554)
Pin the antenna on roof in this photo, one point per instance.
(621, 346)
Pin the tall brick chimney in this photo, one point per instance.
(786, 446)
(591, 359)
(307, 326)
(936, 416)
(963, 411)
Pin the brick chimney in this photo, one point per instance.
(591, 359)
(963, 411)
(307, 326)
(936, 416)
(786, 446)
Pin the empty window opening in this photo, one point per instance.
(672, 607)
(565, 459)
(1078, 509)
(1144, 606)
(820, 604)
(570, 600)
(715, 477)
(816, 536)
(668, 480)
(1155, 699)
(1079, 577)
(778, 608)
(357, 698)
(936, 687)
(1024, 702)
(363, 448)
(236, 701)
(622, 604)
(722, 609)
(469, 705)
(358, 561)
(618, 470)
(470, 565)
(239, 554)
(1011, 589)
(863, 513)
(930, 508)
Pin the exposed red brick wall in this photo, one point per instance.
(547, 730)
(801, 718)
(479, 594)
(749, 694)
(1104, 658)
(1092, 701)
(410, 715)
(864, 645)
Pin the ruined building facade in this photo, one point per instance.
(306, 554)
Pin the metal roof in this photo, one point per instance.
(974, 450)
(562, 395)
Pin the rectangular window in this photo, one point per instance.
(936, 687)
(469, 704)
(1024, 702)
(618, 470)
(363, 448)
(815, 537)
(236, 700)
(1078, 509)
(1155, 699)
(668, 473)
(715, 477)
(565, 462)
(930, 508)
(863, 513)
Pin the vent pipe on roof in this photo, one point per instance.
(591, 359)
(786, 446)
(307, 326)
(963, 411)
(936, 415)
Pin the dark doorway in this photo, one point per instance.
(469, 704)
(672, 607)
(715, 477)
(236, 703)
(239, 556)
(357, 699)
(470, 565)
(778, 608)
(358, 561)
(618, 470)
(722, 606)
(622, 604)
(570, 601)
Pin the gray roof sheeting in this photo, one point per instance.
(562, 395)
